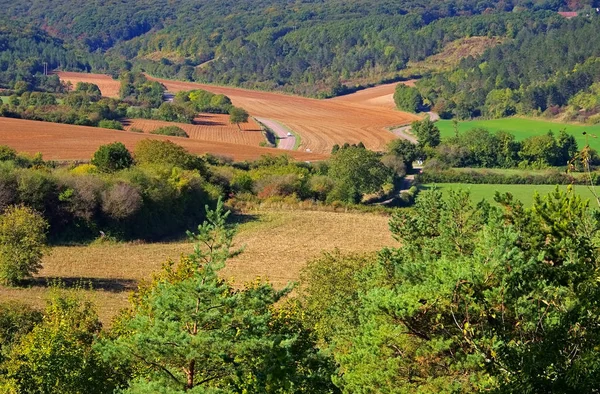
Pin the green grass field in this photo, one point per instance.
(523, 128)
(523, 193)
(4, 99)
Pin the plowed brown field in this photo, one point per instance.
(67, 142)
(108, 86)
(208, 127)
(320, 123)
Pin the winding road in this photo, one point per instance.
(285, 141)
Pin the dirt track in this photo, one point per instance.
(67, 142)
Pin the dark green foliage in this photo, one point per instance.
(136, 89)
(405, 150)
(427, 133)
(483, 177)
(110, 124)
(112, 157)
(480, 148)
(407, 98)
(526, 74)
(173, 131)
(356, 172)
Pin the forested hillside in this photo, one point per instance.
(548, 67)
(307, 47)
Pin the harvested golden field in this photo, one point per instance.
(277, 246)
(108, 86)
(67, 142)
(320, 123)
(208, 127)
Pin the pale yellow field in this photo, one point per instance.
(277, 246)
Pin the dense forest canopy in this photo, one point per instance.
(306, 47)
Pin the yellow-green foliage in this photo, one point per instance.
(84, 169)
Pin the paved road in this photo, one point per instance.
(404, 131)
(285, 141)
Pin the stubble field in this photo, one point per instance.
(277, 246)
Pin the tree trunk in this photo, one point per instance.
(190, 375)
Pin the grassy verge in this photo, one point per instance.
(523, 128)
(524, 193)
(270, 136)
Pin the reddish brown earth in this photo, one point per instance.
(67, 142)
(320, 123)
(108, 86)
(208, 127)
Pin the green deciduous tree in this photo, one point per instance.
(57, 355)
(356, 172)
(166, 152)
(22, 244)
(237, 116)
(112, 157)
(407, 98)
(427, 133)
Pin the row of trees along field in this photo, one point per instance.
(481, 148)
(487, 298)
(317, 49)
(548, 68)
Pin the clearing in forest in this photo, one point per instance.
(108, 86)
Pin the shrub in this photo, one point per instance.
(166, 152)
(277, 185)
(110, 124)
(121, 201)
(22, 244)
(320, 186)
(7, 153)
(172, 131)
(112, 157)
(83, 169)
